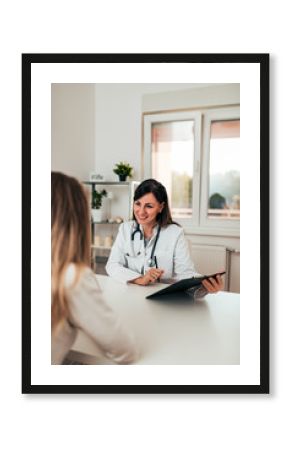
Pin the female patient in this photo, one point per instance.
(77, 301)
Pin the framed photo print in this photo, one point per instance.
(152, 277)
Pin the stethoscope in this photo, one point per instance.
(152, 261)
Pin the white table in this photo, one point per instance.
(171, 332)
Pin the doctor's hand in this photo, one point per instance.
(213, 285)
(150, 276)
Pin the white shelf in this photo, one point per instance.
(109, 183)
(131, 185)
(102, 251)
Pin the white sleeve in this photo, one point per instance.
(116, 263)
(90, 313)
(183, 266)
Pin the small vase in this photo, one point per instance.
(98, 215)
(122, 177)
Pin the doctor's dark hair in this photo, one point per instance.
(152, 186)
(70, 239)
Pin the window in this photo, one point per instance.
(196, 155)
(172, 162)
(224, 170)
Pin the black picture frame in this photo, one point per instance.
(263, 61)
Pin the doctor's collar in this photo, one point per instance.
(138, 228)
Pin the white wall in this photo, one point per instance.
(117, 128)
(118, 116)
(73, 128)
(199, 96)
(118, 123)
(96, 125)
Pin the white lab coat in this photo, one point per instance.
(129, 257)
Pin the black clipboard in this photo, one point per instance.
(182, 285)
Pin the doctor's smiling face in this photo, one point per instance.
(151, 204)
(146, 209)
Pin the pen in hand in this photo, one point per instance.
(156, 265)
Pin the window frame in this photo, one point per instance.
(150, 119)
(198, 223)
(209, 117)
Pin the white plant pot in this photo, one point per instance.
(98, 215)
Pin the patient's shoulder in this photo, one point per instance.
(75, 273)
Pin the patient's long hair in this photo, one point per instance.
(70, 239)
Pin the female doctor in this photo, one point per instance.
(152, 247)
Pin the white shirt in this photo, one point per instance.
(129, 257)
(90, 313)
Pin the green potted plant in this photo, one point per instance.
(97, 211)
(123, 170)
